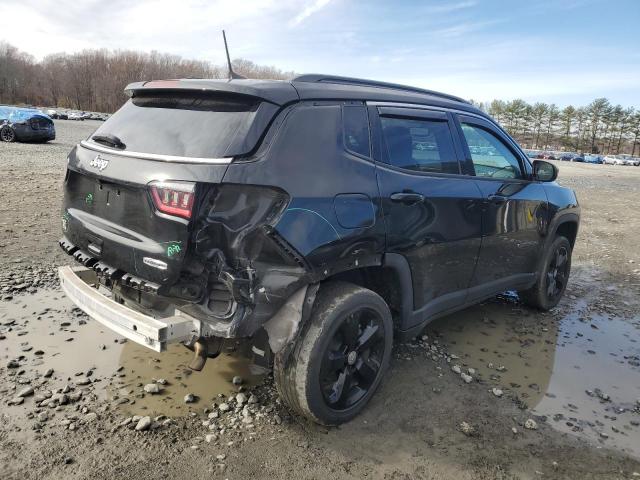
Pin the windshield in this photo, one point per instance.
(180, 124)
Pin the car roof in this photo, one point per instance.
(311, 87)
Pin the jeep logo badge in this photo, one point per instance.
(99, 163)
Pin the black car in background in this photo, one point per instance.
(25, 125)
(318, 219)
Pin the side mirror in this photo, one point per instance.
(544, 171)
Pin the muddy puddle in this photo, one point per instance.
(580, 370)
(46, 331)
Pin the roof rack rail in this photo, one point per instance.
(319, 78)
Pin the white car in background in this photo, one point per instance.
(612, 160)
(75, 116)
(628, 160)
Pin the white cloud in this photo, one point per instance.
(307, 11)
(458, 50)
(452, 7)
(465, 28)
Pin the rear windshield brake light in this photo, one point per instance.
(173, 198)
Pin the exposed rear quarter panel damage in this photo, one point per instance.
(269, 221)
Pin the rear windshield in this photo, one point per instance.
(184, 125)
(20, 114)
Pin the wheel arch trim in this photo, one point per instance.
(400, 265)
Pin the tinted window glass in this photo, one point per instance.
(490, 156)
(423, 145)
(356, 129)
(184, 125)
(20, 115)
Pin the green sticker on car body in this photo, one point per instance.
(173, 249)
(89, 199)
(65, 221)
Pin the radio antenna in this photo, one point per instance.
(232, 75)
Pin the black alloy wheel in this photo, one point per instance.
(340, 357)
(555, 267)
(7, 134)
(353, 359)
(557, 273)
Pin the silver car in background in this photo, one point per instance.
(612, 160)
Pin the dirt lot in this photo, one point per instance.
(553, 395)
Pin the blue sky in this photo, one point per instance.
(554, 51)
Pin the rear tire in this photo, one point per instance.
(553, 278)
(7, 134)
(339, 359)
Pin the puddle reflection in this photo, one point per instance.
(580, 370)
(141, 366)
(46, 331)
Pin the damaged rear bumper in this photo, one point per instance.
(154, 333)
(252, 305)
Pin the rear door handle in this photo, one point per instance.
(408, 198)
(497, 198)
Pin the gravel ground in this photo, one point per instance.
(496, 391)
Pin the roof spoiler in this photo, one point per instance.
(265, 90)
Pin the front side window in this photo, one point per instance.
(356, 129)
(424, 145)
(490, 156)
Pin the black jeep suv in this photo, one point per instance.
(318, 218)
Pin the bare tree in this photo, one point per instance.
(94, 80)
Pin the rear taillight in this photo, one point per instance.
(173, 198)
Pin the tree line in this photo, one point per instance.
(600, 127)
(93, 80)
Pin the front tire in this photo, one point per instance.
(7, 134)
(340, 357)
(553, 278)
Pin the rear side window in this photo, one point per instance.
(182, 124)
(419, 144)
(490, 156)
(356, 129)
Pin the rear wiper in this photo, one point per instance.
(109, 140)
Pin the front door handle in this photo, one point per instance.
(497, 198)
(407, 198)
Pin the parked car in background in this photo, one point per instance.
(612, 160)
(567, 157)
(25, 124)
(76, 116)
(578, 158)
(51, 113)
(629, 160)
(550, 156)
(593, 159)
